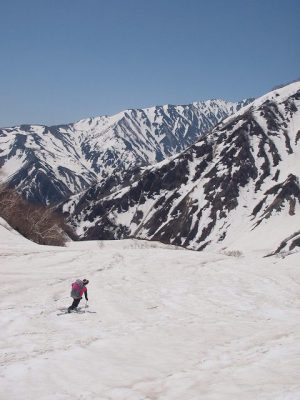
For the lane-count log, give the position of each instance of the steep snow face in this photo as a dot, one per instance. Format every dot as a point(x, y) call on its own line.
point(240, 180)
point(146, 136)
point(162, 323)
point(49, 164)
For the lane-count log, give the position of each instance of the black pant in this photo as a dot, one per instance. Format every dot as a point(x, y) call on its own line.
point(74, 304)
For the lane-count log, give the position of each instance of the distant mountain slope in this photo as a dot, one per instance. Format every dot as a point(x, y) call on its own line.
point(49, 164)
point(237, 186)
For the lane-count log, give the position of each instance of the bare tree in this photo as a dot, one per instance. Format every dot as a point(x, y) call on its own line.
point(38, 223)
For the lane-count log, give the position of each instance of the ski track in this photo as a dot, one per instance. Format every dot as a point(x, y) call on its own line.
point(162, 324)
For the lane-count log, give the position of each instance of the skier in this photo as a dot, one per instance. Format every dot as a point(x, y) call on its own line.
point(78, 288)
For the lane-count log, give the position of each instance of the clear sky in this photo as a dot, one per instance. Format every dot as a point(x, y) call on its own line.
point(63, 60)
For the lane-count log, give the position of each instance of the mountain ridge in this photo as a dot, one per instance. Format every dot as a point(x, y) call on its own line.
point(242, 165)
point(49, 164)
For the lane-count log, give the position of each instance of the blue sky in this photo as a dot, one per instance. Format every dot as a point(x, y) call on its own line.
point(63, 60)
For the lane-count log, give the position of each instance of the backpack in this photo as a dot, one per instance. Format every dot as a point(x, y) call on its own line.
point(76, 289)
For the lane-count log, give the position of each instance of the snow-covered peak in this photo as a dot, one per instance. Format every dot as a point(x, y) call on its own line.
point(48, 164)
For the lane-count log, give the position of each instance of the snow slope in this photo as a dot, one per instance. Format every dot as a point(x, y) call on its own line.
point(11, 241)
point(162, 323)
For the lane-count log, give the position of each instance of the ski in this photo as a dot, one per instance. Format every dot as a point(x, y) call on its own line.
point(79, 311)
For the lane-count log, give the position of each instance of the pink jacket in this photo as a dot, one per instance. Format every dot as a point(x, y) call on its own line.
point(81, 289)
point(77, 287)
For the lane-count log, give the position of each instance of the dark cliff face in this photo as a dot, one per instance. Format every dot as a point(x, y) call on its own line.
point(239, 170)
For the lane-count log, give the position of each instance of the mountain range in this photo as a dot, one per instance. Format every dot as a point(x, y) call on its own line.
point(237, 186)
point(211, 174)
point(49, 164)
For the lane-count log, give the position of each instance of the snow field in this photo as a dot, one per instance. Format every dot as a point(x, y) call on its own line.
point(163, 323)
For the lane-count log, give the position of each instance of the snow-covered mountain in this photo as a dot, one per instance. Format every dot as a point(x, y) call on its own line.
point(49, 164)
point(239, 181)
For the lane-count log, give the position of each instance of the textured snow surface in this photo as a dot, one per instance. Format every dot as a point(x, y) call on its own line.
point(162, 323)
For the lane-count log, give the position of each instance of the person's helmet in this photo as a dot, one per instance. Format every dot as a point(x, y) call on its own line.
point(85, 281)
